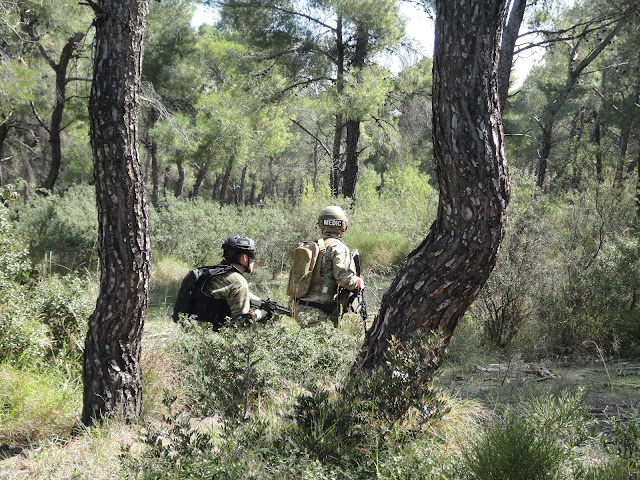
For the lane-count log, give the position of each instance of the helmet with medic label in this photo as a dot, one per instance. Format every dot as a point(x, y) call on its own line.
point(332, 219)
point(237, 244)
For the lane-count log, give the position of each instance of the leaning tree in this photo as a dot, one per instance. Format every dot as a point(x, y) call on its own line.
point(443, 275)
point(112, 374)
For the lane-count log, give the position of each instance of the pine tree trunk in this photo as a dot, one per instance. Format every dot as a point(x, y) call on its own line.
point(334, 176)
point(180, 184)
point(352, 147)
point(4, 132)
point(444, 275)
point(202, 173)
point(225, 184)
point(55, 128)
point(153, 151)
point(352, 150)
point(509, 38)
point(112, 374)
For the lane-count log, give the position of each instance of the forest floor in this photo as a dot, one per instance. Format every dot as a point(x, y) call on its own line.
point(611, 387)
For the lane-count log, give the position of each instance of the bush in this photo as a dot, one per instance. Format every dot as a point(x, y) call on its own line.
point(228, 371)
point(511, 449)
point(34, 406)
point(63, 226)
point(44, 323)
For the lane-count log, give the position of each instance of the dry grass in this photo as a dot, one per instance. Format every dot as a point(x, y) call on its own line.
point(93, 454)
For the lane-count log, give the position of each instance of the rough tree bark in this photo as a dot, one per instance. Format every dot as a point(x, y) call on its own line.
point(112, 374)
point(443, 276)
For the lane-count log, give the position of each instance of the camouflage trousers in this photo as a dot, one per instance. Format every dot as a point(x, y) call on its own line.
point(307, 316)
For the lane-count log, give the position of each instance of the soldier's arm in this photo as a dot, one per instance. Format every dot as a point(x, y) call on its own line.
point(343, 268)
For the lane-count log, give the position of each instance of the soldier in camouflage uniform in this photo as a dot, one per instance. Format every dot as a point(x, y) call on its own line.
point(323, 302)
point(230, 286)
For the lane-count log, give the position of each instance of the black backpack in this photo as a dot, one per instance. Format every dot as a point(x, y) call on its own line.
point(191, 300)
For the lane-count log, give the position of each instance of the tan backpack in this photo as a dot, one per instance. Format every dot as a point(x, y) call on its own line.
point(305, 269)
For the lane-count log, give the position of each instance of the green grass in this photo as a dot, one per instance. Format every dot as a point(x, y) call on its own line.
point(37, 405)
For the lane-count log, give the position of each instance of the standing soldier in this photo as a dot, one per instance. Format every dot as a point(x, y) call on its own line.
point(321, 301)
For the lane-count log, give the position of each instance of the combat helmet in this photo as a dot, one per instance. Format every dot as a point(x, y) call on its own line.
point(237, 244)
point(332, 219)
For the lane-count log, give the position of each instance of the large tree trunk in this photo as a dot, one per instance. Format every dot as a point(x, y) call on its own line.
point(112, 374)
point(443, 276)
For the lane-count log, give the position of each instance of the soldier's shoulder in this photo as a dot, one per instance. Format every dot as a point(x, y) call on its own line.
point(336, 245)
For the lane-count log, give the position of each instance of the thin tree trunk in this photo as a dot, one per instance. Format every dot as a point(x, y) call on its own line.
point(112, 374)
point(55, 128)
point(352, 147)
point(225, 184)
point(444, 275)
point(352, 151)
point(314, 179)
point(336, 160)
point(243, 179)
point(594, 137)
point(4, 132)
point(180, 185)
point(509, 38)
point(153, 153)
point(202, 173)
point(572, 77)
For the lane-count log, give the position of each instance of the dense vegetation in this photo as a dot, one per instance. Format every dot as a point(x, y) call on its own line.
point(236, 142)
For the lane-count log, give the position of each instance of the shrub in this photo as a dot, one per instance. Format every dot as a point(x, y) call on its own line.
point(64, 306)
point(45, 323)
point(228, 371)
point(511, 449)
point(65, 226)
point(14, 258)
point(36, 405)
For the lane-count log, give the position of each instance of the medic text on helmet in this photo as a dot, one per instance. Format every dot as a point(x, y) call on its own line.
point(332, 222)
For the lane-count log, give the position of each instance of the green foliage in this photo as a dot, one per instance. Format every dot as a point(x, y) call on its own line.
point(64, 306)
point(14, 258)
point(34, 406)
point(64, 227)
point(335, 426)
point(625, 441)
point(229, 371)
point(45, 323)
point(511, 449)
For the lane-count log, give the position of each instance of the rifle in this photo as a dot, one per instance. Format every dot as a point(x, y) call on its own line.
point(271, 306)
point(357, 302)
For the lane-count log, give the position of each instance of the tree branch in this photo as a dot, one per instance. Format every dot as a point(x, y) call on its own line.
point(315, 137)
point(40, 121)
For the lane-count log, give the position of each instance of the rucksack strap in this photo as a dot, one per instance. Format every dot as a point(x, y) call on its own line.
point(208, 272)
point(316, 276)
